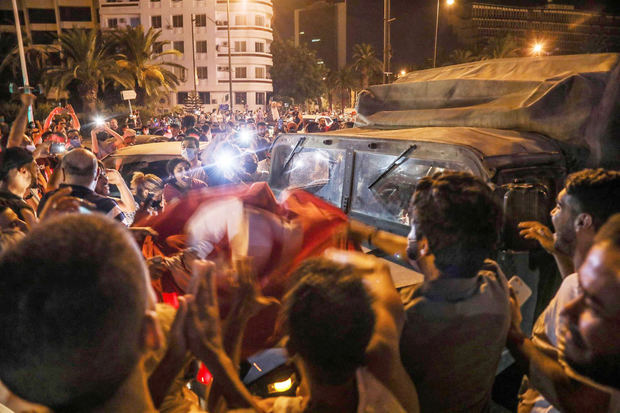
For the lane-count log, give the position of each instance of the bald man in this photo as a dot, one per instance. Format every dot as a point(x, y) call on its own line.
point(79, 171)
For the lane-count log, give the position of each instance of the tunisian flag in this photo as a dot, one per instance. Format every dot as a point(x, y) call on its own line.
point(226, 222)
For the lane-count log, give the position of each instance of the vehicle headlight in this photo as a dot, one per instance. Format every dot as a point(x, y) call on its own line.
point(280, 386)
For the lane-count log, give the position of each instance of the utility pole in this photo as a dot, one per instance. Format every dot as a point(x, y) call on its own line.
point(436, 35)
point(194, 56)
point(229, 57)
point(22, 55)
point(387, 44)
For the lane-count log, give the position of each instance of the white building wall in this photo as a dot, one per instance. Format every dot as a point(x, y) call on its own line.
point(215, 34)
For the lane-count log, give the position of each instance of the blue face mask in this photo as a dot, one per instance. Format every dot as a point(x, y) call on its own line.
point(75, 143)
point(188, 153)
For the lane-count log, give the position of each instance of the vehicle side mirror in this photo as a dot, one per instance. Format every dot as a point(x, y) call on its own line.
point(522, 202)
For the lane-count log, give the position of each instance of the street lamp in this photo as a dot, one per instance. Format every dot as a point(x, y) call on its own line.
point(449, 3)
point(538, 49)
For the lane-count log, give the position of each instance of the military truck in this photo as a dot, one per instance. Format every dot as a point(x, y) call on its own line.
point(520, 124)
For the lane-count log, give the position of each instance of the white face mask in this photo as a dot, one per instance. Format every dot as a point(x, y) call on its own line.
point(31, 148)
point(188, 153)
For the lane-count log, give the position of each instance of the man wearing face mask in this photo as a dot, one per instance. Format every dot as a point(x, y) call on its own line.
point(18, 173)
point(190, 151)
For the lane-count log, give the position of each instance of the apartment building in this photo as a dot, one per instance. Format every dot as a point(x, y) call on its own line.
point(44, 20)
point(251, 35)
point(562, 28)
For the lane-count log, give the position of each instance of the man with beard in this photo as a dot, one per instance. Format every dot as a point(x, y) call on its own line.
point(591, 322)
point(18, 173)
point(589, 198)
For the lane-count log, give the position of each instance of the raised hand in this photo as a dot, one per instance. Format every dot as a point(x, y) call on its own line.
point(203, 321)
point(249, 295)
point(114, 176)
point(539, 232)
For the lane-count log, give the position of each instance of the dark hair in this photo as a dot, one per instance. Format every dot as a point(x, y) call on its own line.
point(329, 318)
point(13, 158)
point(205, 128)
point(261, 123)
point(250, 163)
point(459, 216)
point(597, 192)
point(70, 315)
point(188, 121)
point(172, 163)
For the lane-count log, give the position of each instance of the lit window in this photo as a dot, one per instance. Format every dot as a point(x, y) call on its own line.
point(259, 72)
point(240, 47)
point(316, 40)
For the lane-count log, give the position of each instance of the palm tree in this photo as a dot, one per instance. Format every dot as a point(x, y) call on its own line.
point(500, 47)
point(366, 62)
point(87, 60)
point(36, 57)
point(459, 56)
point(345, 81)
point(141, 54)
point(331, 84)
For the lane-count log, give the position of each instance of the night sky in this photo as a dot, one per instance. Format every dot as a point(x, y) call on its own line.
point(413, 30)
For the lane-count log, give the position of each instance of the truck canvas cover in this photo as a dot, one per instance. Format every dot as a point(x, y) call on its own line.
point(571, 99)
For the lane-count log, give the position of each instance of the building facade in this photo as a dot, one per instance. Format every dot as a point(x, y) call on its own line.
point(562, 29)
point(250, 36)
point(322, 27)
point(44, 20)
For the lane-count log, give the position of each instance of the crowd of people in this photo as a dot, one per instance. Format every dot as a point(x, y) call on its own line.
point(81, 328)
point(217, 148)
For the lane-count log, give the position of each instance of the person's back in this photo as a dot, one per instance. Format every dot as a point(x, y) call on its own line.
point(458, 319)
point(453, 339)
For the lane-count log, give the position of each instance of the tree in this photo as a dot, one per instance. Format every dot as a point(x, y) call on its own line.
point(500, 47)
point(345, 81)
point(192, 102)
point(36, 57)
point(295, 72)
point(366, 62)
point(331, 84)
point(459, 56)
point(87, 60)
point(141, 54)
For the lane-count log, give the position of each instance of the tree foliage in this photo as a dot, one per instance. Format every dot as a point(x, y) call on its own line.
point(366, 62)
point(295, 72)
point(88, 60)
point(141, 54)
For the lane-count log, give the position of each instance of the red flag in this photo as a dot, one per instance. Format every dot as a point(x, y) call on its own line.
point(249, 221)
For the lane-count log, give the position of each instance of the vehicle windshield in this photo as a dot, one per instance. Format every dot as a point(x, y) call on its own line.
point(318, 171)
point(389, 198)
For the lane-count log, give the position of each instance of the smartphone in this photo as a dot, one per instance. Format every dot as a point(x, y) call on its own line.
point(521, 289)
point(56, 148)
point(84, 210)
